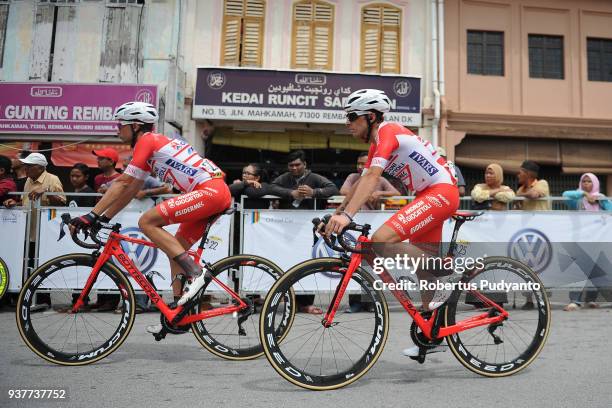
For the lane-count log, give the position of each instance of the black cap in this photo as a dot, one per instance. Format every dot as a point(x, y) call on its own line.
point(531, 166)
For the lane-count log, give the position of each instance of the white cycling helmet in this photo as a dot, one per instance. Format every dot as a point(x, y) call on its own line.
point(366, 100)
point(136, 112)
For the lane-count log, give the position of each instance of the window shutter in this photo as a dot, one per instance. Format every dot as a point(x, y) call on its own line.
point(312, 35)
point(323, 35)
point(242, 40)
point(390, 39)
point(252, 36)
point(41, 42)
point(4, 10)
point(302, 33)
point(370, 38)
point(380, 36)
point(232, 28)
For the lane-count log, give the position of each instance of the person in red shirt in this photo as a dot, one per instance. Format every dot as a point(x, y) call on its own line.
point(204, 193)
point(7, 184)
point(107, 160)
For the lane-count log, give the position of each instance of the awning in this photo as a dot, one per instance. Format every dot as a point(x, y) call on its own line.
point(572, 156)
point(67, 154)
point(10, 149)
point(286, 141)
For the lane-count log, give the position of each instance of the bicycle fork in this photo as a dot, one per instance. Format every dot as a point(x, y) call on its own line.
point(328, 319)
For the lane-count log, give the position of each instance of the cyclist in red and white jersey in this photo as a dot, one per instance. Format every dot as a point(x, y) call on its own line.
point(175, 161)
point(403, 155)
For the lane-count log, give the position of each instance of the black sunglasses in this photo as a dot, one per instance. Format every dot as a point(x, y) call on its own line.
point(352, 116)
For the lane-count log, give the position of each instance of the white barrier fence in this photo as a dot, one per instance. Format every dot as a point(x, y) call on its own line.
point(567, 249)
point(144, 257)
point(12, 244)
point(285, 237)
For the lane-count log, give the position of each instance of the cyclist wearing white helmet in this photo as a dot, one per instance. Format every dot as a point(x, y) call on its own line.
point(171, 160)
point(415, 162)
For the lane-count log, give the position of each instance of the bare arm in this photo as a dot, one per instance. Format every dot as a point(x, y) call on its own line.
point(387, 190)
point(348, 194)
point(363, 190)
point(163, 189)
point(120, 193)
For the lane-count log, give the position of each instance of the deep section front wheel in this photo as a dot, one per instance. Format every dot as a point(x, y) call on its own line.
point(4, 278)
point(236, 336)
point(312, 354)
point(47, 324)
point(507, 347)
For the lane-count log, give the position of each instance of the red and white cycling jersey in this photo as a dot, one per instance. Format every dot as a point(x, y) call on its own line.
point(171, 160)
point(407, 157)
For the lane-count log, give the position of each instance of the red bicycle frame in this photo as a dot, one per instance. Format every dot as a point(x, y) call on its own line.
point(113, 248)
point(426, 325)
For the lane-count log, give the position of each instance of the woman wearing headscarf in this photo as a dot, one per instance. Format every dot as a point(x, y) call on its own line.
point(492, 190)
point(586, 198)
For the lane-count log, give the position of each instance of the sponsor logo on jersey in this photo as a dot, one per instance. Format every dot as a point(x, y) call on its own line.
point(443, 199)
point(424, 163)
point(421, 224)
point(184, 199)
point(189, 209)
point(181, 167)
point(434, 201)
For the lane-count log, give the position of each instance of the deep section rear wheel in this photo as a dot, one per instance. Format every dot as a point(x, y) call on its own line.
point(312, 355)
point(236, 337)
point(507, 347)
point(52, 331)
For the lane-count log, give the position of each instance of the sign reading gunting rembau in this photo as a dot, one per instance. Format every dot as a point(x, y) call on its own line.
point(292, 96)
point(59, 108)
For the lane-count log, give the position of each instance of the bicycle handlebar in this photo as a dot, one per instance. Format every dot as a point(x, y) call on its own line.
point(96, 227)
point(344, 246)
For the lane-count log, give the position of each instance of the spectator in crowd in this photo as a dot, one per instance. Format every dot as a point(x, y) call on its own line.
point(383, 189)
point(251, 184)
point(297, 184)
point(107, 161)
point(492, 194)
point(532, 189)
point(300, 183)
point(39, 182)
point(586, 198)
point(7, 184)
point(19, 170)
point(79, 177)
point(457, 171)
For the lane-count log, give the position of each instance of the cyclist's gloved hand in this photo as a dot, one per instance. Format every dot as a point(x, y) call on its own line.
point(104, 219)
point(84, 222)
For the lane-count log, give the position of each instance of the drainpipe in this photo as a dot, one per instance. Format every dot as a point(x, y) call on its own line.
point(441, 50)
point(441, 46)
point(434, 73)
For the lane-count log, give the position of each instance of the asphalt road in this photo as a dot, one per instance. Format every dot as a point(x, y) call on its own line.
point(572, 371)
